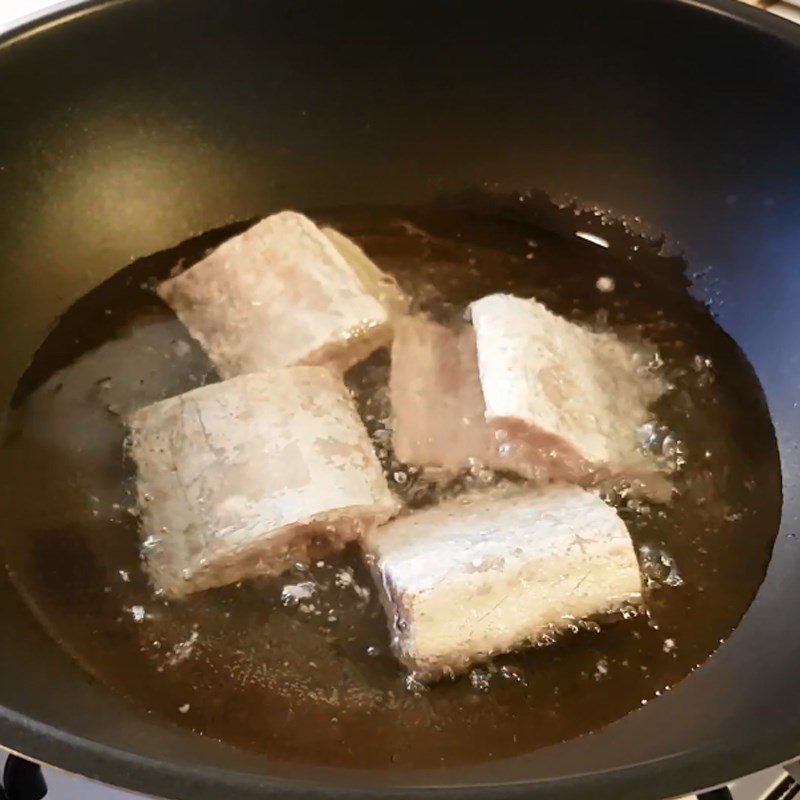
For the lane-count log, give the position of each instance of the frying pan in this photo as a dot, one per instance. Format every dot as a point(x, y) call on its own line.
point(129, 126)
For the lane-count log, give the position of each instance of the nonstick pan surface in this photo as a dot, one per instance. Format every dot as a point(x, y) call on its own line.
point(683, 116)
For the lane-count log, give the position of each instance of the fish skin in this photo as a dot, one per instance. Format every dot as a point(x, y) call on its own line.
point(248, 476)
point(494, 572)
point(280, 294)
point(556, 390)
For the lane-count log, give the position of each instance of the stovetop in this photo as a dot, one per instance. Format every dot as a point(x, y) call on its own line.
point(62, 786)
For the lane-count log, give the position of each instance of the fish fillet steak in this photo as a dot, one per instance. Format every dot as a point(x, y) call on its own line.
point(437, 405)
point(561, 399)
point(483, 575)
point(440, 414)
point(249, 476)
point(284, 293)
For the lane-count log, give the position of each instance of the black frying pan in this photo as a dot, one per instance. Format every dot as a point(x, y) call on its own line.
point(683, 114)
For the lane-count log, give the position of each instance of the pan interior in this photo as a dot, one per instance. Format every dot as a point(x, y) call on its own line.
point(316, 683)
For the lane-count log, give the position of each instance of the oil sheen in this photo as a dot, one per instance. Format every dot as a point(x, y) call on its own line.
point(299, 667)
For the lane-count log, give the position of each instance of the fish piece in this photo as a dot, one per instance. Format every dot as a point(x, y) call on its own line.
point(437, 404)
point(483, 575)
point(249, 476)
point(439, 419)
point(281, 294)
point(564, 401)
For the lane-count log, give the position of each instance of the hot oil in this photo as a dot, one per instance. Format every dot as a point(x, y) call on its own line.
point(299, 667)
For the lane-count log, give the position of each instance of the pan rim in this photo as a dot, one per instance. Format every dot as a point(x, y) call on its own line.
point(674, 774)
